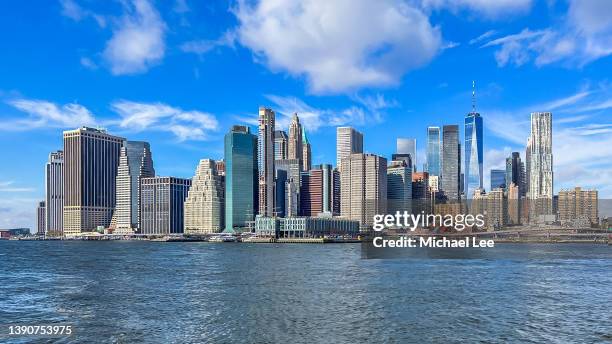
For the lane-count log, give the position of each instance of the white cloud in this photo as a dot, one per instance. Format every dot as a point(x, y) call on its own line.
point(138, 40)
point(584, 35)
point(8, 186)
point(74, 11)
point(46, 114)
point(200, 47)
point(185, 125)
point(484, 36)
point(88, 63)
point(492, 9)
point(328, 43)
point(16, 212)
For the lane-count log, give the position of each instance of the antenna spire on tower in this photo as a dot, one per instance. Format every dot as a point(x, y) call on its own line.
point(473, 96)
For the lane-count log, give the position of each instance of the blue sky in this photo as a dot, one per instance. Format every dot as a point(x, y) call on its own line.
point(179, 73)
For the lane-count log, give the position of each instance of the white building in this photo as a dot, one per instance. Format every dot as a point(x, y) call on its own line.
point(204, 206)
point(540, 165)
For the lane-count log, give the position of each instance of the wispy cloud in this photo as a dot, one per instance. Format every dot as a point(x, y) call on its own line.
point(482, 37)
point(46, 114)
point(185, 125)
point(9, 186)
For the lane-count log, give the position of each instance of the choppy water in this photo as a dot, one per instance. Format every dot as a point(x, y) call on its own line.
point(264, 293)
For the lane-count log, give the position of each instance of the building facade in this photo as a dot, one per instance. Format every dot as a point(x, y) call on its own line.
point(295, 149)
point(41, 218)
point(265, 156)
point(451, 162)
point(316, 195)
point(399, 187)
point(305, 227)
point(363, 179)
point(433, 151)
point(162, 206)
point(54, 194)
point(290, 187)
point(408, 146)
point(348, 141)
point(241, 178)
point(515, 172)
point(473, 171)
point(578, 207)
point(91, 158)
point(135, 163)
point(540, 193)
point(306, 152)
point(280, 145)
point(498, 179)
point(205, 203)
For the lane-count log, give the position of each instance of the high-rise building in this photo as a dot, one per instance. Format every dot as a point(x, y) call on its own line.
point(205, 201)
point(451, 162)
point(348, 141)
point(514, 204)
point(399, 187)
point(433, 151)
point(306, 152)
point(265, 146)
point(420, 193)
point(473, 171)
point(578, 207)
point(290, 186)
point(54, 194)
point(336, 194)
point(241, 188)
point(540, 191)
point(280, 178)
point(135, 163)
point(404, 157)
point(91, 157)
point(41, 218)
point(498, 179)
point(295, 149)
point(408, 146)
point(515, 172)
point(162, 205)
point(364, 187)
point(317, 191)
point(280, 145)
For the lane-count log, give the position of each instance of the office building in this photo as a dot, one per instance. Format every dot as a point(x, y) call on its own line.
point(205, 203)
point(306, 152)
point(54, 194)
point(280, 145)
point(220, 166)
point(407, 146)
point(265, 156)
point(348, 141)
point(135, 163)
point(498, 179)
point(578, 207)
point(336, 194)
point(363, 179)
point(433, 151)
point(91, 158)
point(421, 195)
point(514, 204)
point(295, 148)
point(473, 171)
point(317, 191)
point(540, 164)
point(241, 179)
point(515, 173)
point(41, 218)
point(399, 187)
point(404, 157)
point(305, 227)
point(162, 204)
point(451, 162)
point(291, 186)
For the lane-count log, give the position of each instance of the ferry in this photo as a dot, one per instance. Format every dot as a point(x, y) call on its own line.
point(222, 237)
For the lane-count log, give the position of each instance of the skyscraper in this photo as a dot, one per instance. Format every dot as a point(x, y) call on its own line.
point(399, 187)
point(291, 186)
point(541, 163)
point(241, 188)
point(205, 201)
point(408, 146)
point(54, 194)
point(265, 146)
point(135, 163)
point(515, 173)
point(364, 187)
point(433, 151)
point(91, 157)
point(162, 206)
point(348, 141)
point(306, 152)
point(41, 218)
point(451, 162)
point(295, 149)
point(317, 191)
point(473, 171)
point(280, 145)
point(498, 179)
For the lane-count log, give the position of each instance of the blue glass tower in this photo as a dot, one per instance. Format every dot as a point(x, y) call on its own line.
point(433, 151)
point(241, 178)
point(473, 172)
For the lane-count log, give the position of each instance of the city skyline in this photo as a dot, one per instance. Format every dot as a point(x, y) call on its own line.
point(197, 96)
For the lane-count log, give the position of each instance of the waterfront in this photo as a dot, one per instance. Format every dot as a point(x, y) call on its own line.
point(139, 291)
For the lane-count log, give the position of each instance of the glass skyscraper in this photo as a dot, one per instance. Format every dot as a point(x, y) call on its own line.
point(473, 171)
point(498, 179)
point(433, 151)
point(451, 162)
point(240, 177)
